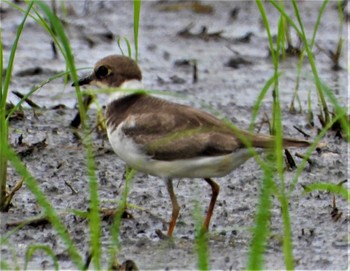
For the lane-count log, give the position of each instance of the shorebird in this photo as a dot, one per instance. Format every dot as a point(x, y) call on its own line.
point(171, 140)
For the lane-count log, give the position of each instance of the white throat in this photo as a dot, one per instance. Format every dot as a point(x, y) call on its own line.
point(127, 85)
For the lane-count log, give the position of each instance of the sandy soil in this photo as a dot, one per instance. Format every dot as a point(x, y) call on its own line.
point(319, 242)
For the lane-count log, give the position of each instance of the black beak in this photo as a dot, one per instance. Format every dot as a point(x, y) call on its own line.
point(83, 81)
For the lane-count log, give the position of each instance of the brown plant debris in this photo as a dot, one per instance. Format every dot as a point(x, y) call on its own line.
point(34, 222)
point(161, 235)
point(289, 160)
point(194, 6)
point(334, 56)
point(108, 213)
point(335, 213)
point(9, 195)
point(35, 147)
point(203, 34)
point(16, 115)
point(30, 72)
point(27, 100)
point(128, 265)
point(70, 187)
point(301, 131)
point(237, 61)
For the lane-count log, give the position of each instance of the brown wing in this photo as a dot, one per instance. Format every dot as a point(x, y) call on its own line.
point(171, 131)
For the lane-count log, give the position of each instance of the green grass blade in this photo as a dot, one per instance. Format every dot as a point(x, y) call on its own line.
point(257, 105)
point(281, 9)
point(302, 35)
point(94, 215)
point(3, 142)
point(62, 40)
point(309, 151)
point(329, 187)
point(63, 8)
point(323, 7)
point(5, 266)
point(115, 227)
point(127, 45)
point(47, 207)
point(287, 233)
point(7, 80)
point(45, 248)
point(137, 11)
point(339, 110)
point(297, 84)
point(278, 151)
point(261, 229)
point(202, 246)
point(3, 122)
point(38, 19)
point(33, 90)
point(267, 27)
point(1, 70)
point(277, 125)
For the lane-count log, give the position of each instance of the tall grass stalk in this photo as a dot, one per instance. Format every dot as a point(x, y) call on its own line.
point(94, 214)
point(3, 137)
point(317, 24)
point(297, 83)
point(261, 230)
point(277, 121)
point(259, 101)
point(282, 193)
point(33, 90)
point(129, 172)
point(49, 210)
point(4, 205)
point(115, 227)
point(58, 34)
point(324, 112)
point(310, 114)
point(60, 38)
point(340, 112)
point(329, 187)
point(119, 42)
point(56, 30)
point(202, 246)
point(48, 250)
point(5, 266)
point(321, 11)
point(137, 12)
point(336, 54)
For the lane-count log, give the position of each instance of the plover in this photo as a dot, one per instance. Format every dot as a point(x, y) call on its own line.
point(171, 140)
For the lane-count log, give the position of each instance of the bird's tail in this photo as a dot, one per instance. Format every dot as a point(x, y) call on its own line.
point(298, 143)
point(266, 141)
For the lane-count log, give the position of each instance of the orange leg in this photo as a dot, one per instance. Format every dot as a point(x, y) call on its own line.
point(176, 207)
point(215, 192)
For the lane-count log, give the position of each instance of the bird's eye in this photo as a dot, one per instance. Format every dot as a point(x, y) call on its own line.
point(102, 72)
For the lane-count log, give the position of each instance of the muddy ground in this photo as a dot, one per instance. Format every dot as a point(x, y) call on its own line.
point(230, 90)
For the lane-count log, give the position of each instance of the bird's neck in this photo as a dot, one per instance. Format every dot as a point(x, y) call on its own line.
point(127, 85)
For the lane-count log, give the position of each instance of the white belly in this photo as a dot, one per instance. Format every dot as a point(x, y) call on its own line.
point(199, 167)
